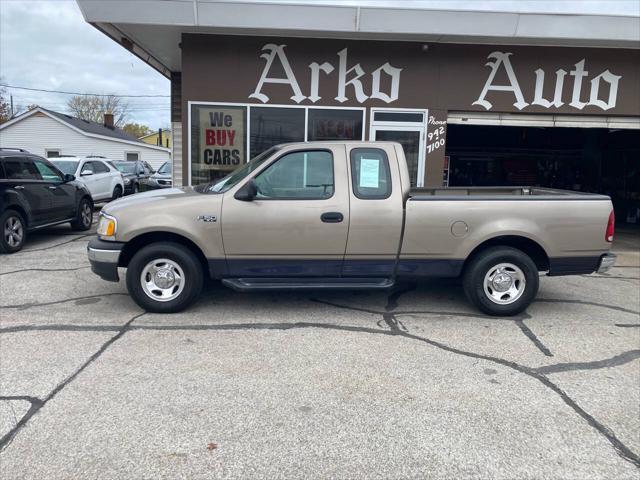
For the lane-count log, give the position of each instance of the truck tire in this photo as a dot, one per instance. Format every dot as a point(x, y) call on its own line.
point(501, 281)
point(14, 231)
point(84, 215)
point(164, 277)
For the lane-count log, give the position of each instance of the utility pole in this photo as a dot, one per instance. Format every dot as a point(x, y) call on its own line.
point(11, 97)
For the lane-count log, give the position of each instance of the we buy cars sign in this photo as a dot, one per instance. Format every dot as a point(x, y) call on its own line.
point(222, 138)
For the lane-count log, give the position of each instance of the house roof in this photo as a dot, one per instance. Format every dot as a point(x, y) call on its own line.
point(92, 127)
point(88, 128)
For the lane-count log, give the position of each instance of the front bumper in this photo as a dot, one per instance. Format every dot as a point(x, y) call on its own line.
point(606, 262)
point(103, 257)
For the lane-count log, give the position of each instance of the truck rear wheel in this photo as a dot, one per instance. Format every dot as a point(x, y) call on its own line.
point(501, 281)
point(164, 277)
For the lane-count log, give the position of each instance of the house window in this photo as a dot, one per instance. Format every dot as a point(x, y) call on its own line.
point(52, 153)
point(271, 126)
point(132, 156)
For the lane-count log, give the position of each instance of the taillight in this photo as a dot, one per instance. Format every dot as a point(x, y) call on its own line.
point(608, 236)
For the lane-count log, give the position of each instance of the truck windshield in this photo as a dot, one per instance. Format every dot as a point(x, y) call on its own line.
point(233, 178)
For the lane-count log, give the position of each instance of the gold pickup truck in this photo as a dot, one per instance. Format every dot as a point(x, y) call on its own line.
point(342, 215)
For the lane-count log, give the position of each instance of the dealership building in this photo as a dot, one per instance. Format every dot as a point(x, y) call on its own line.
point(475, 97)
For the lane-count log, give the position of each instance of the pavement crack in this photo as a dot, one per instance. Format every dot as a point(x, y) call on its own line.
point(24, 306)
point(585, 302)
point(524, 328)
point(44, 270)
point(627, 325)
point(392, 299)
point(56, 245)
point(621, 449)
point(614, 361)
point(37, 404)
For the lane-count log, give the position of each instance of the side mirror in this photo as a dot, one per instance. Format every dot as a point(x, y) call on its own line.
point(247, 192)
point(86, 172)
point(68, 178)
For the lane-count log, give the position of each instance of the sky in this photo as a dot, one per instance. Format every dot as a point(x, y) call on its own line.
point(48, 45)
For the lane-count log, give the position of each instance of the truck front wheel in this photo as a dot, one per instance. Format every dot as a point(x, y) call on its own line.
point(164, 277)
point(501, 281)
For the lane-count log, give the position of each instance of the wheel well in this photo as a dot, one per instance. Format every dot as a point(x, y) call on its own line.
point(526, 245)
point(21, 211)
point(132, 246)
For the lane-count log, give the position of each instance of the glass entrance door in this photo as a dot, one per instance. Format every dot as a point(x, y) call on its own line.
point(412, 140)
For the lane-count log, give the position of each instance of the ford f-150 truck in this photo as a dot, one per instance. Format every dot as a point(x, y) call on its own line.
point(335, 215)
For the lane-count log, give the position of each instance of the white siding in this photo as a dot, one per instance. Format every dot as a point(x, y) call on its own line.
point(39, 132)
point(178, 178)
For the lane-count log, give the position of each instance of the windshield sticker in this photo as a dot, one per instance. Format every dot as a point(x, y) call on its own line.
point(369, 173)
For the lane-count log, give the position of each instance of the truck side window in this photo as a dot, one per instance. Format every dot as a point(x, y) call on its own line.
point(370, 174)
point(306, 175)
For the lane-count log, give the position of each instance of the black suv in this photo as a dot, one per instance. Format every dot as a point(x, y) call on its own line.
point(134, 173)
point(35, 194)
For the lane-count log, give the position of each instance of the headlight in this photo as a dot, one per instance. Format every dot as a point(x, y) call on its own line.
point(107, 227)
point(127, 181)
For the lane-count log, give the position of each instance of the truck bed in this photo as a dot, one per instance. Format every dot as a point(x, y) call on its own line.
point(445, 225)
point(500, 193)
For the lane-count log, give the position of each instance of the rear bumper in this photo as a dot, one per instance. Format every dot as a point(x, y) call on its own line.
point(607, 261)
point(103, 257)
point(580, 265)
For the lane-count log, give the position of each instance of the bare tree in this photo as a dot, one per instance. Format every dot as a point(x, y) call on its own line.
point(5, 107)
point(92, 108)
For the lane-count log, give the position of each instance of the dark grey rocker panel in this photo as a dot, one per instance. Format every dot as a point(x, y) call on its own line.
point(273, 268)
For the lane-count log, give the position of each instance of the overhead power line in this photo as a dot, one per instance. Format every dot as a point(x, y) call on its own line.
point(80, 93)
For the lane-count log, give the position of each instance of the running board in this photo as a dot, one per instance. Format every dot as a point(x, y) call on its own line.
point(253, 284)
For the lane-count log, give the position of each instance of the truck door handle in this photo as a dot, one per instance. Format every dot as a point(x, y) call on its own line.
point(332, 217)
point(52, 187)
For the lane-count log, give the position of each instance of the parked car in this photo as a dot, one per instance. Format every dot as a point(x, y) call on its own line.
point(342, 215)
point(134, 173)
point(162, 177)
point(102, 179)
point(35, 194)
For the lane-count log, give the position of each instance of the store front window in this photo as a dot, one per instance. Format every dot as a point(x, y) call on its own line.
point(334, 124)
point(224, 137)
point(271, 126)
point(218, 141)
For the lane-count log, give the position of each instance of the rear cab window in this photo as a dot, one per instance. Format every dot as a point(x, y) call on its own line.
point(370, 174)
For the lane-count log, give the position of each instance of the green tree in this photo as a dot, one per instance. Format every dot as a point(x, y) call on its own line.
point(136, 129)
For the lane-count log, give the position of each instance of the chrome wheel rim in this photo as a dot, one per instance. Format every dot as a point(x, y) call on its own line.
point(13, 231)
point(86, 214)
point(504, 283)
point(162, 280)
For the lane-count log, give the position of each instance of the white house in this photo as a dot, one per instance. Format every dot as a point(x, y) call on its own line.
point(51, 134)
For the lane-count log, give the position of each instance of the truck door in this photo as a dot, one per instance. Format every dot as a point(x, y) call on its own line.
point(297, 225)
point(376, 200)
